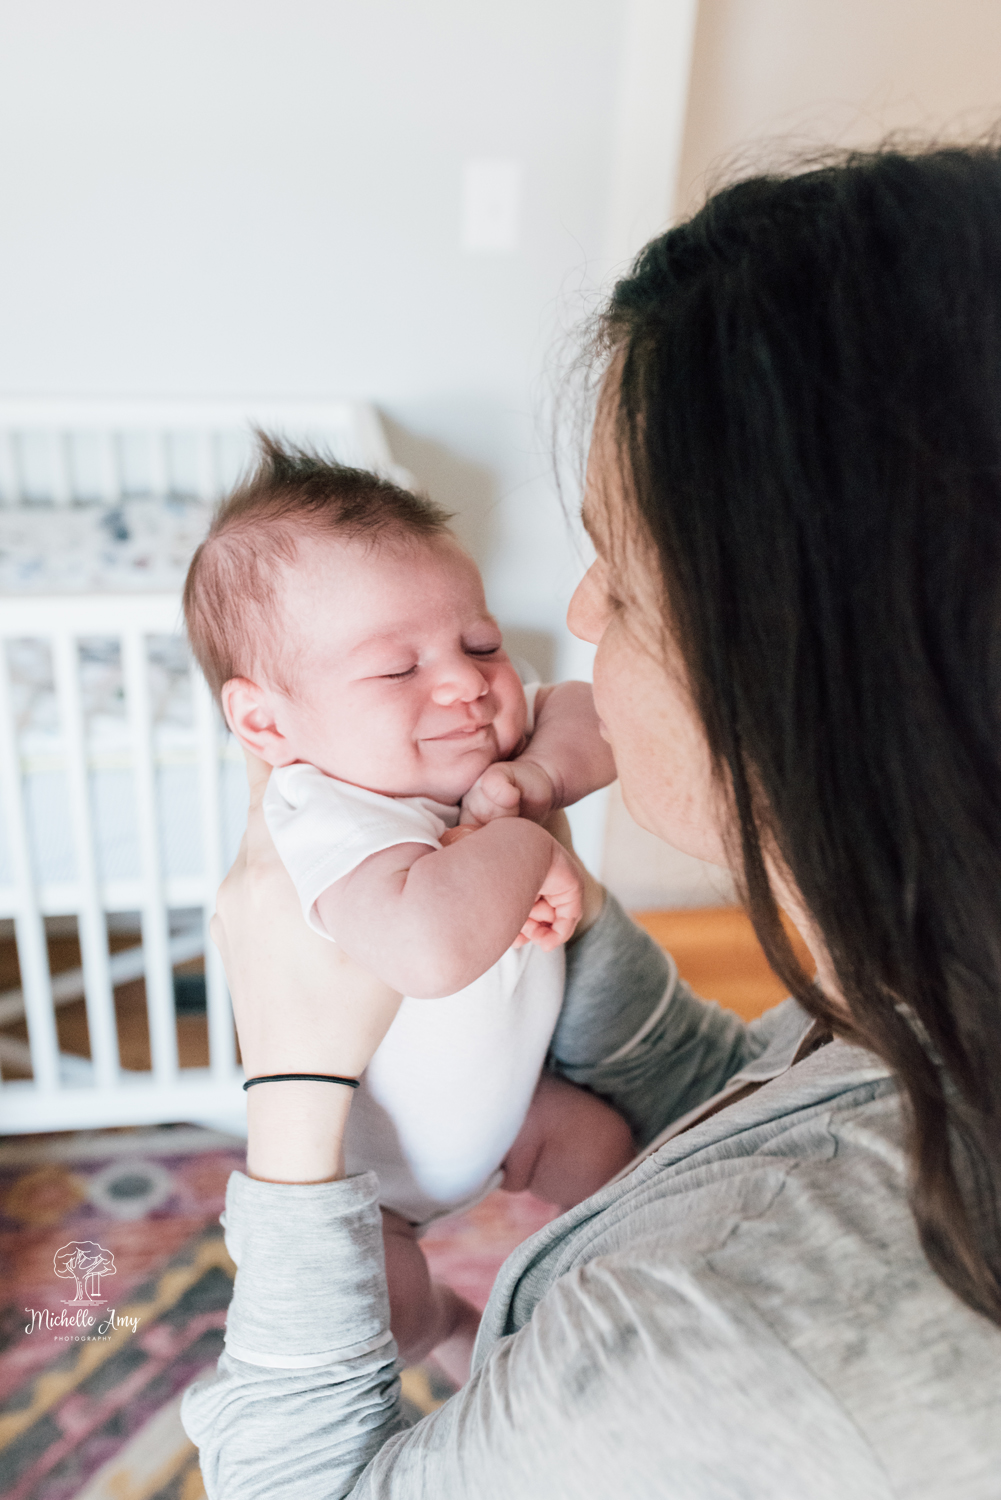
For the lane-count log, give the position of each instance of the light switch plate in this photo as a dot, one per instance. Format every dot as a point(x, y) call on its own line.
point(491, 204)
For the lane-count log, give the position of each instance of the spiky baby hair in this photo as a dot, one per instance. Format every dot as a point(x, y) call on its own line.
point(233, 588)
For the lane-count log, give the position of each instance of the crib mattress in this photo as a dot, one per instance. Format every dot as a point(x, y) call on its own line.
point(138, 545)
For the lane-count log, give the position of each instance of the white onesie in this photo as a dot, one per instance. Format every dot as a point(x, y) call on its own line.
point(446, 1093)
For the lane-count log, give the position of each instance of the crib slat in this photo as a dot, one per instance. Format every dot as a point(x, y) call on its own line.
point(62, 472)
point(159, 464)
point(10, 480)
point(156, 928)
point(222, 1049)
point(32, 951)
point(208, 467)
point(111, 468)
point(93, 931)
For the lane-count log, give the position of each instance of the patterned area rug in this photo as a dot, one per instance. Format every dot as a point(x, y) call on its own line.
point(116, 1283)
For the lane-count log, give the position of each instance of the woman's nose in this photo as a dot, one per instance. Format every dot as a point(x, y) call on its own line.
point(460, 682)
point(586, 614)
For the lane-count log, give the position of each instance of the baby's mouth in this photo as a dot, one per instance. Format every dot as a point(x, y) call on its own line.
point(466, 732)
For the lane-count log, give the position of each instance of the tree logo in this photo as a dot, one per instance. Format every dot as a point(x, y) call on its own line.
point(86, 1263)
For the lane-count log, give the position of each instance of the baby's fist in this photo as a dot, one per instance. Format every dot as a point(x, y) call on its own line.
point(509, 789)
point(558, 907)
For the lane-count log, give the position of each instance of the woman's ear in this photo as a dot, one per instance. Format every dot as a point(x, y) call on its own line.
point(250, 713)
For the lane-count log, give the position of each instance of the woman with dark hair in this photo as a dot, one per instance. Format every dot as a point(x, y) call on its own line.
point(794, 491)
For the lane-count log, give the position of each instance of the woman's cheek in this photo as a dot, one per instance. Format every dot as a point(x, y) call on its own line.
point(607, 685)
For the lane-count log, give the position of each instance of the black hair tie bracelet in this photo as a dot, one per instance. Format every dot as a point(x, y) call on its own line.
point(350, 1083)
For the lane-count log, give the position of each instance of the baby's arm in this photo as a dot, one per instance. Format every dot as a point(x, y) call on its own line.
point(429, 921)
point(565, 759)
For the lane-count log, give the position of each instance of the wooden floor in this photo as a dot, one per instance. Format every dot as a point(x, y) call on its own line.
point(717, 952)
point(130, 1012)
point(715, 949)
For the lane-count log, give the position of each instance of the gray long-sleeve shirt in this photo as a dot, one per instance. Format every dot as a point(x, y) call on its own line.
point(748, 1313)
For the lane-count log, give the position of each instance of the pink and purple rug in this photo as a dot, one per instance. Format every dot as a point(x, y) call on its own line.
point(115, 1288)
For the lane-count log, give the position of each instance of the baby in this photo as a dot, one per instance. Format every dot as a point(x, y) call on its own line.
point(345, 633)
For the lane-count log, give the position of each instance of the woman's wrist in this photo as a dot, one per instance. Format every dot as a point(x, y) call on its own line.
point(295, 1131)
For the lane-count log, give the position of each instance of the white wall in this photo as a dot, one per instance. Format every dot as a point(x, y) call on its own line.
point(263, 196)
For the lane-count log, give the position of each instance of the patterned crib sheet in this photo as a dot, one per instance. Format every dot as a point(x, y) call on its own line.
point(140, 544)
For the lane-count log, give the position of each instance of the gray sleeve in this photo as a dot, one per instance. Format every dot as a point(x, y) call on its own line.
point(633, 1377)
point(633, 1032)
point(306, 1390)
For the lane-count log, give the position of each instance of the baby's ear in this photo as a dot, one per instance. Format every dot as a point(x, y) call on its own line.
point(249, 711)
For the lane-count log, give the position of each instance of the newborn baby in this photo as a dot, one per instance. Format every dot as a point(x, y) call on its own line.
point(345, 633)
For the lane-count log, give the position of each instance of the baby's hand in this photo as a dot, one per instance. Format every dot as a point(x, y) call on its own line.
point(509, 789)
point(560, 902)
point(558, 909)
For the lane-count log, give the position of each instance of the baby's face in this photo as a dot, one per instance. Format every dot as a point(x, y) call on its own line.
point(402, 683)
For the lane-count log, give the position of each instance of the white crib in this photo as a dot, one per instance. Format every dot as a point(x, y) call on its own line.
point(122, 811)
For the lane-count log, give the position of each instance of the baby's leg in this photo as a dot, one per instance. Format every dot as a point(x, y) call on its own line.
point(571, 1143)
point(425, 1315)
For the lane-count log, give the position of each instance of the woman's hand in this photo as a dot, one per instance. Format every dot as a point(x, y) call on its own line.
point(301, 1006)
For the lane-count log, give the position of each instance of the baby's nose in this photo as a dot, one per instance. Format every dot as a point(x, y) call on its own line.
point(460, 682)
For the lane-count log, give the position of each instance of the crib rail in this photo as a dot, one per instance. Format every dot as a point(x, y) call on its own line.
point(66, 1092)
point(71, 452)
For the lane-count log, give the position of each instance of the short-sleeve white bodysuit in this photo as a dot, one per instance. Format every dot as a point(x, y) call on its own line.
point(446, 1093)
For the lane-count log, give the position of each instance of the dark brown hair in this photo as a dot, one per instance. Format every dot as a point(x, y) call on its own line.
point(231, 594)
point(809, 410)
